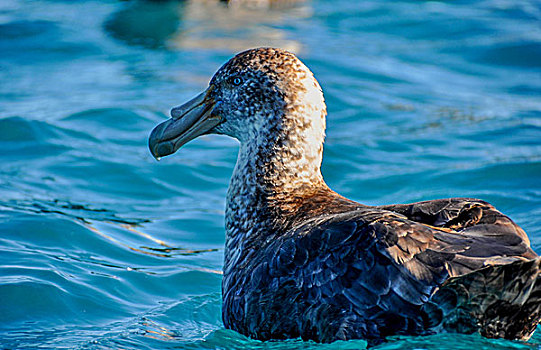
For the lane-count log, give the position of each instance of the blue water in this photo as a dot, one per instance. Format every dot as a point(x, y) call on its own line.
point(103, 247)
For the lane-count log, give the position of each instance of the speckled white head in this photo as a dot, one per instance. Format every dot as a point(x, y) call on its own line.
point(262, 89)
point(268, 100)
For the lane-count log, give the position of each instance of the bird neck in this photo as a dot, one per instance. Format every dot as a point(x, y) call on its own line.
point(274, 172)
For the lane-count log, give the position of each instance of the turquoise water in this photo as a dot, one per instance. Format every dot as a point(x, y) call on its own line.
point(103, 247)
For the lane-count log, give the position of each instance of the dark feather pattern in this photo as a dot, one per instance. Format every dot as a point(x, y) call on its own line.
point(303, 261)
point(345, 277)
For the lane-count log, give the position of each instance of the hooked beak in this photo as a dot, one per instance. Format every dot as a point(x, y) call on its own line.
point(192, 119)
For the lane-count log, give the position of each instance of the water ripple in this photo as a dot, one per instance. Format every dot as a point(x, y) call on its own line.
point(103, 247)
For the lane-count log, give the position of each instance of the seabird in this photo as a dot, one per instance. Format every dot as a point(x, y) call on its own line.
point(303, 261)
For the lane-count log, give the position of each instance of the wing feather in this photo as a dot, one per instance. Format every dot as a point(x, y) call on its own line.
point(374, 270)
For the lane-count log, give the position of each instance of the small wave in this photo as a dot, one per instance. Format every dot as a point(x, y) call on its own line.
point(80, 212)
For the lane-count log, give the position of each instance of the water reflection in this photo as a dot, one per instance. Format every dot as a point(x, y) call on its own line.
point(146, 23)
point(80, 212)
point(206, 24)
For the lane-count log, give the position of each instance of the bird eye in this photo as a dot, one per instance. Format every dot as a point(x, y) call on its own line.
point(235, 81)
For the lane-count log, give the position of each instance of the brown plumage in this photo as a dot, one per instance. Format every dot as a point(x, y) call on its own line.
point(303, 261)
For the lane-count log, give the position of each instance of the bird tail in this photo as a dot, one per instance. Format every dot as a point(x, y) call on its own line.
point(498, 301)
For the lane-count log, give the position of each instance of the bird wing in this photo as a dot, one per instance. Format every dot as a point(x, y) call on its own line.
point(366, 273)
point(493, 237)
point(466, 215)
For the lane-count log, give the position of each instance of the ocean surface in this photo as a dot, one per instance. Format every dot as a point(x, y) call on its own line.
point(103, 247)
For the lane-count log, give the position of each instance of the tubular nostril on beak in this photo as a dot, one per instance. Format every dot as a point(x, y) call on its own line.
point(177, 112)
